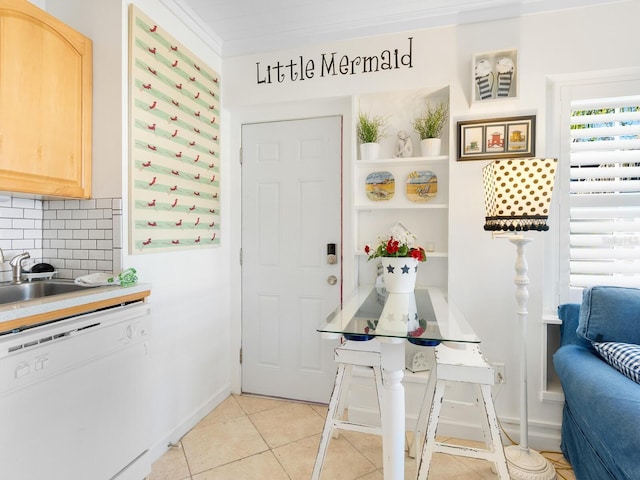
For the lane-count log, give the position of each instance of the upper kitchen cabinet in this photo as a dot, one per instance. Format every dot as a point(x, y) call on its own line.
point(45, 104)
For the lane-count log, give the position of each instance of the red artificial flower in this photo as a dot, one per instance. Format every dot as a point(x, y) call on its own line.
point(367, 249)
point(392, 246)
point(417, 254)
point(417, 332)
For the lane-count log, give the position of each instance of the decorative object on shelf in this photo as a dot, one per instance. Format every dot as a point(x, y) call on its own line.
point(529, 210)
point(494, 75)
point(400, 257)
point(422, 186)
point(429, 125)
point(484, 78)
point(404, 145)
point(380, 186)
point(505, 69)
point(370, 129)
point(400, 274)
point(509, 137)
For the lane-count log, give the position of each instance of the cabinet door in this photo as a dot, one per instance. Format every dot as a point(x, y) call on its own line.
point(45, 104)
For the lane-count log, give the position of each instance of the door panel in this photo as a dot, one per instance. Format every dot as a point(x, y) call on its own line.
point(291, 197)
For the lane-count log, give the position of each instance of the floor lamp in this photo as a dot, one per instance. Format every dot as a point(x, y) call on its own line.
point(517, 194)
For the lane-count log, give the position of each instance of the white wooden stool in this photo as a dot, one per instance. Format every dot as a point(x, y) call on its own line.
point(465, 363)
point(350, 353)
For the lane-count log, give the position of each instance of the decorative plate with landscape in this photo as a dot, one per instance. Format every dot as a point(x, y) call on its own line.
point(422, 186)
point(380, 186)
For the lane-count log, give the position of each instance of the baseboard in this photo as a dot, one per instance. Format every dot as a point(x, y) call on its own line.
point(162, 444)
point(542, 436)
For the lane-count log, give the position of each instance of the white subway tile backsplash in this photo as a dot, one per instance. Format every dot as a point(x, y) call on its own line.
point(35, 234)
point(22, 224)
point(95, 214)
point(73, 244)
point(26, 203)
point(56, 224)
point(88, 245)
point(72, 224)
point(105, 224)
point(97, 234)
point(117, 231)
point(88, 264)
point(33, 213)
point(103, 265)
point(88, 224)
point(73, 263)
point(105, 244)
point(96, 255)
point(104, 203)
point(75, 236)
point(27, 244)
point(8, 212)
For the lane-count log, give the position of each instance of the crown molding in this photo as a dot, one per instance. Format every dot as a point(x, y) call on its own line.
point(195, 23)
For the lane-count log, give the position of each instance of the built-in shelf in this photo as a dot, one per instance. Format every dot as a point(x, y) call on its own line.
point(385, 206)
point(426, 218)
point(429, 254)
point(391, 162)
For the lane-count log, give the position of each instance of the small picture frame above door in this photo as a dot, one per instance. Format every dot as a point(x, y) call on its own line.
point(494, 76)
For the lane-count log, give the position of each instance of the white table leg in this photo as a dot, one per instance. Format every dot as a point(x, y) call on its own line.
point(392, 407)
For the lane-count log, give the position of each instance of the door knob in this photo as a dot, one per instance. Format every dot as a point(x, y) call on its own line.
point(332, 280)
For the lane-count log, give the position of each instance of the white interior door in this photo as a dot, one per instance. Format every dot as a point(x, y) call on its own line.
point(291, 211)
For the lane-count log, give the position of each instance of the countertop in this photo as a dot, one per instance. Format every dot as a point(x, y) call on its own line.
point(18, 315)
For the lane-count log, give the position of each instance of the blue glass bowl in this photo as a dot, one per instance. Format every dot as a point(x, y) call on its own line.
point(357, 337)
point(423, 342)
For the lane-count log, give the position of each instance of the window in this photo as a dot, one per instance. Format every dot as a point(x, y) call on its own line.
point(603, 238)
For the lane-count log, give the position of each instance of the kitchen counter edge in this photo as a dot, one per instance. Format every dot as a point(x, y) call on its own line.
point(32, 312)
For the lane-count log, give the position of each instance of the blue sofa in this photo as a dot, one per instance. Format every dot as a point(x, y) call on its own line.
point(601, 416)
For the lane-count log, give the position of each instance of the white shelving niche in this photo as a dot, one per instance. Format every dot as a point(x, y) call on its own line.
point(429, 220)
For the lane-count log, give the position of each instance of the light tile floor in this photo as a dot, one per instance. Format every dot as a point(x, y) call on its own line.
point(256, 438)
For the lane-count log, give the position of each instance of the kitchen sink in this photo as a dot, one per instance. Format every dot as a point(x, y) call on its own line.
point(21, 292)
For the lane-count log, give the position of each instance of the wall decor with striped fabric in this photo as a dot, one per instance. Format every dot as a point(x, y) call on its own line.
point(174, 153)
point(495, 76)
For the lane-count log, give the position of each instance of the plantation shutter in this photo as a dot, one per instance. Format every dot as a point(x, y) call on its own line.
point(604, 192)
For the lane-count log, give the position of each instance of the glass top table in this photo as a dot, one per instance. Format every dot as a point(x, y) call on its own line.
point(423, 318)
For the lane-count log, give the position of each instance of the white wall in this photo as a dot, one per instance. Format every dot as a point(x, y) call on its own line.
point(481, 269)
point(190, 289)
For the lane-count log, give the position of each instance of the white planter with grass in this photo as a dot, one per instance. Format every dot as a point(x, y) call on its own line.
point(430, 147)
point(369, 151)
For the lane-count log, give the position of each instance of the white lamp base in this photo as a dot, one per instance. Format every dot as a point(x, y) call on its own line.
point(527, 464)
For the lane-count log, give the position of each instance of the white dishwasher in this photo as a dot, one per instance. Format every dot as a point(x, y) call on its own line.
point(74, 398)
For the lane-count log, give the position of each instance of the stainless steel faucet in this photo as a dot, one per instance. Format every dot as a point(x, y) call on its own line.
point(16, 266)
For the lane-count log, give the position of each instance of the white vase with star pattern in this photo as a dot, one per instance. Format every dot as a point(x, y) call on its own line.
point(399, 274)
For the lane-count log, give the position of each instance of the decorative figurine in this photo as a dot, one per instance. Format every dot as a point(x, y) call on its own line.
point(404, 147)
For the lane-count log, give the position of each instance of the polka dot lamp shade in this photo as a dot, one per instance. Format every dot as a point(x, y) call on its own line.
point(517, 193)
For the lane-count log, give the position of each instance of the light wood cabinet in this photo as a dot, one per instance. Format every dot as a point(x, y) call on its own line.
point(45, 104)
